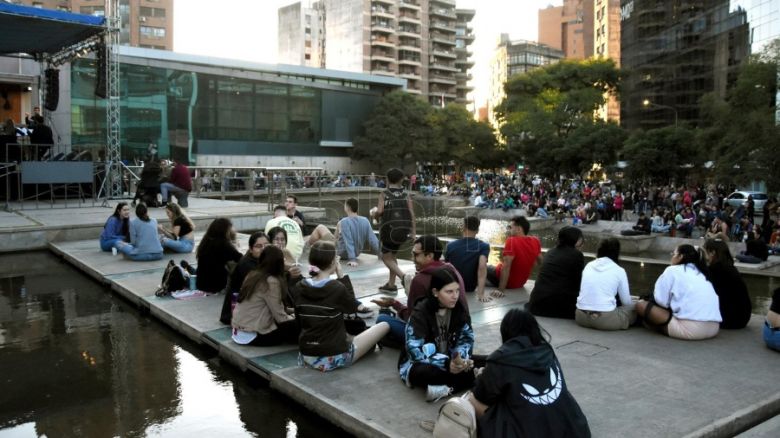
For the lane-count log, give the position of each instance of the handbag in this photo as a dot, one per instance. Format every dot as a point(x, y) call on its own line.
point(174, 278)
point(457, 419)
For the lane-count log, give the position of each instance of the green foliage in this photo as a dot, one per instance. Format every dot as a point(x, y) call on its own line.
point(739, 133)
point(404, 129)
point(549, 119)
point(660, 155)
point(397, 133)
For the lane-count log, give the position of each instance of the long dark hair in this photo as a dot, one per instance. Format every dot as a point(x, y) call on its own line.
point(253, 239)
point(518, 322)
point(142, 212)
point(690, 255)
point(439, 278)
point(125, 220)
point(609, 247)
point(270, 264)
point(218, 235)
point(721, 251)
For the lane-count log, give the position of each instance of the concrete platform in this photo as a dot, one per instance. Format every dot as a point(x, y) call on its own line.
point(34, 228)
point(622, 380)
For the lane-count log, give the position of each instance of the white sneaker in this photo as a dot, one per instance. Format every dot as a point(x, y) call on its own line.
point(437, 392)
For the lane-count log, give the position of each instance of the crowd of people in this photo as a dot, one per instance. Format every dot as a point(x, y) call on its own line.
point(269, 300)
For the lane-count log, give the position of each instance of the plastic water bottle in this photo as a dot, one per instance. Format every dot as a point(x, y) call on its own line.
point(23, 291)
point(113, 251)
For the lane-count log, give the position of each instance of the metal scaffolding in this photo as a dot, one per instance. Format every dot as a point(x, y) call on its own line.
point(113, 152)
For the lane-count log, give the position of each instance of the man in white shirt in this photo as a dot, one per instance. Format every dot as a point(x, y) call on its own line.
point(294, 233)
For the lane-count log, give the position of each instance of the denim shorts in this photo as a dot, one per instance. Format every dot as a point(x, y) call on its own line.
point(772, 336)
point(328, 363)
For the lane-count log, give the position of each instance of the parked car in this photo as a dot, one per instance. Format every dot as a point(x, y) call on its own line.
point(740, 198)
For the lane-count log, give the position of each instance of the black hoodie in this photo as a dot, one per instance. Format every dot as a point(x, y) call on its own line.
point(320, 314)
point(523, 386)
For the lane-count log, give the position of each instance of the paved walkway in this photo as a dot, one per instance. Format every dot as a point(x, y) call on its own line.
point(630, 383)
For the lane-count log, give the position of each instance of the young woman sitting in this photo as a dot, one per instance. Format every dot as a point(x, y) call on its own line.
point(684, 304)
point(558, 283)
point(117, 227)
point(260, 317)
point(437, 354)
point(181, 236)
point(735, 305)
point(521, 391)
point(144, 244)
point(319, 309)
point(602, 280)
point(772, 323)
point(248, 262)
point(216, 249)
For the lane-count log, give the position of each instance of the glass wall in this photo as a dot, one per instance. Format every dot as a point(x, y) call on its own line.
point(185, 113)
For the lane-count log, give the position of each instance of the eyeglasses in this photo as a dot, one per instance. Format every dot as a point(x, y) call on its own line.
point(259, 245)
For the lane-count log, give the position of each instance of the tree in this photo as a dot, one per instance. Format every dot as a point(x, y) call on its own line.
point(740, 132)
point(545, 108)
point(397, 132)
point(660, 155)
point(451, 136)
point(483, 151)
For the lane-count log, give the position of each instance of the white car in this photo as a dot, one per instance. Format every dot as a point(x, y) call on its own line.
point(740, 198)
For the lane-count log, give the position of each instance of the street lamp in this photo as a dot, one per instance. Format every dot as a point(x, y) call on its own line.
point(646, 103)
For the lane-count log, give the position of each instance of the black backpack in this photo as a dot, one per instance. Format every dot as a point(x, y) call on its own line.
point(174, 278)
point(396, 218)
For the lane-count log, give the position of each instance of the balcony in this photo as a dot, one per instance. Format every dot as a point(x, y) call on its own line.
point(443, 53)
point(438, 37)
point(383, 2)
point(443, 2)
point(382, 13)
point(384, 56)
point(464, 62)
point(382, 27)
point(413, 75)
point(442, 26)
point(410, 61)
point(442, 79)
point(409, 4)
point(409, 32)
point(409, 18)
point(442, 66)
point(441, 12)
point(415, 48)
point(382, 71)
point(381, 41)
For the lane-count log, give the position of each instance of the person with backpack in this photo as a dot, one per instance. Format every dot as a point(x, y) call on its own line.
point(521, 391)
point(396, 214)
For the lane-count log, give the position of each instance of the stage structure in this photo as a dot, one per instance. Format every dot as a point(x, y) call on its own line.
point(54, 38)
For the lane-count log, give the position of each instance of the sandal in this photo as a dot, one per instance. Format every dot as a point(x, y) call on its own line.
point(364, 312)
point(387, 288)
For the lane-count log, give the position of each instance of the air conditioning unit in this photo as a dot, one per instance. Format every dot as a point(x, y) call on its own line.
point(142, 19)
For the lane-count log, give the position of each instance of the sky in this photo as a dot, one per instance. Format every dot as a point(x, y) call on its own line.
point(246, 30)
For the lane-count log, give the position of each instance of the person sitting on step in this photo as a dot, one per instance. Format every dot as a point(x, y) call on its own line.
point(438, 348)
point(320, 305)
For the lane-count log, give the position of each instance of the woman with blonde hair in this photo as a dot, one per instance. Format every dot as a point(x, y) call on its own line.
point(181, 236)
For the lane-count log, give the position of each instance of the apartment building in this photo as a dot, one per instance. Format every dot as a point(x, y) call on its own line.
point(423, 41)
point(144, 23)
point(302, 34)
point(606, 43)
point(511, 58)
point(568, 28)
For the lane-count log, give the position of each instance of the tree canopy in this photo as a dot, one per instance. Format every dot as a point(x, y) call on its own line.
point(548, 116)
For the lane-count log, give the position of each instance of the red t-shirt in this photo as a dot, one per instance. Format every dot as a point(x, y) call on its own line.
point(525, 250)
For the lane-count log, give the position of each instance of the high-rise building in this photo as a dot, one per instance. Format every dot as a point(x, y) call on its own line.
point(606, 44)
point(144, 23)
point(417, 40)
point(675, 52)
point(511, 58)
point(301, 34)
point(568, 28)
point(464, 36)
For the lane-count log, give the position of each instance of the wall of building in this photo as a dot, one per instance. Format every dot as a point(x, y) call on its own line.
point(550, 32)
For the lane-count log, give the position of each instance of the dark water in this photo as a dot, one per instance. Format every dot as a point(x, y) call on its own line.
point(431, 215)
point(77, 361)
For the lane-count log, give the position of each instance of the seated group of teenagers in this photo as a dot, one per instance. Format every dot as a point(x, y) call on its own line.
point(518, 389)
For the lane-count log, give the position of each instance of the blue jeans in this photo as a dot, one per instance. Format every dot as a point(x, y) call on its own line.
point(127, 250)
point(771, 336)
point(397, 327)
point(107, 244)
point(181, 245)
point(179, 193)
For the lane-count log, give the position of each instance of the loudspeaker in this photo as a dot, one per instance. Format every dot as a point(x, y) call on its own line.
point(52, 96)
point(101, 68)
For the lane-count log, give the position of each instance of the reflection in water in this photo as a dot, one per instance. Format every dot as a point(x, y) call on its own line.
point(75, 361)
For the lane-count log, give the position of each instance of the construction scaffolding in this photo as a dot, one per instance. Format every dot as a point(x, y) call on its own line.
point(113, 146)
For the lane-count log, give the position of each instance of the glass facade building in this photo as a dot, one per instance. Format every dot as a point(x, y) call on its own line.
point(191, 107)
point(674, 52)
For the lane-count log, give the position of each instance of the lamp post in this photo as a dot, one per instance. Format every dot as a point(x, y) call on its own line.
point(646, 103)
